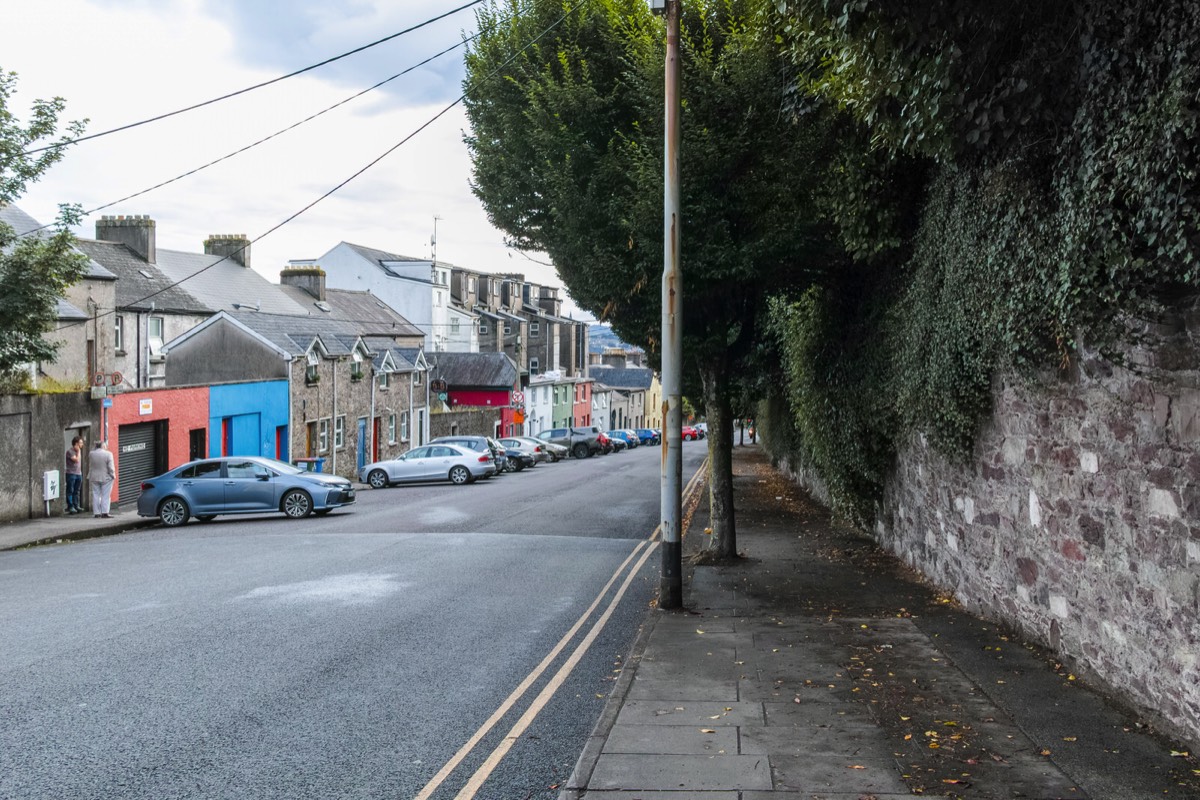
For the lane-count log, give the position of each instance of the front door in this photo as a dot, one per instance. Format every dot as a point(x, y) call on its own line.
point(362, 442)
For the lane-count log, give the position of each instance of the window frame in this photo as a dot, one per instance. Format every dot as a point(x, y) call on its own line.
point(403, 426)
point(151, 339)
point(391, 428)
point(339, 432)
point(535, 328)
point(119, 333)
point(323, 435)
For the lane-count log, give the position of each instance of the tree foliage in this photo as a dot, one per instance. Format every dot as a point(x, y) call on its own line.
point(35, 270)
point(567, 146)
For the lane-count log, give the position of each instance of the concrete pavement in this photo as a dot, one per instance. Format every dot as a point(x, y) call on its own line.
point(819, 667)
point(69, 527)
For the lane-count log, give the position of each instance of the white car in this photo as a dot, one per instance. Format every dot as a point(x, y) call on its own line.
point(432, 462)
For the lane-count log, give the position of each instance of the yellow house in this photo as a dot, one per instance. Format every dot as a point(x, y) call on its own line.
point(654, 398)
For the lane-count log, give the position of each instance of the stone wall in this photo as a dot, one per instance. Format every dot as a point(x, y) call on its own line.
point(464, 421)
point(1077, 517)
point(36, 431)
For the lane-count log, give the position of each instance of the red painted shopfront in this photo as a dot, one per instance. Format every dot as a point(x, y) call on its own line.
point(152, 430)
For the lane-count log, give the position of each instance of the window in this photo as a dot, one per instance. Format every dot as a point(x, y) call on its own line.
point(246, 469)
point(535, 328)
point(205, 469)
point(417, 378)
point(533, 366)
point(508, 329)
point(403, 426)
point(483, 329)
point(471, 284)
point(391, 429)
point(323, 436)
point(421, 426)
point(310, 370)
point(356, 366)
point(339, 432)
point(384, 379)
point(154, 334)
point(454, 326)
point(119, 333)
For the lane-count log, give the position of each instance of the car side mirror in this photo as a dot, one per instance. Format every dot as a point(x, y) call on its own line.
point(263, 476)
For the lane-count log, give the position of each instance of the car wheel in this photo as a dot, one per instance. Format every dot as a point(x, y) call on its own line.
point(206, 517)
point(173, 512)
point(296, 504)
point(460, 475)
point(581, 450)
point(378, 479)
point(519, 465)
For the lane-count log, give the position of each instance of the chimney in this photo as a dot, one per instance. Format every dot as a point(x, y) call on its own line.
point(133, 231)
point(311, 279)
point(235, 246)
point(614, 357)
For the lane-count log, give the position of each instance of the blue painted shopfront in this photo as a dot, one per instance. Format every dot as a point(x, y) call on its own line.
point(248, 419)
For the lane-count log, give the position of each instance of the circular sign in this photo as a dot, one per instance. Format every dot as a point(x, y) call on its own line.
point(116, 378)
point(442, 396)
point(518, 398)
point(98, 379)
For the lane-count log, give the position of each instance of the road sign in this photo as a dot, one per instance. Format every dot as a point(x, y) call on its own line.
point(518, 398)
point(106, 402)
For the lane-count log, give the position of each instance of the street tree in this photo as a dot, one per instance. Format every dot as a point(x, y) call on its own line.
point(35, 269)
point(565, 104)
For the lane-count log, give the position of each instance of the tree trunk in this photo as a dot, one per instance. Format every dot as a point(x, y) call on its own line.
point(719, 415)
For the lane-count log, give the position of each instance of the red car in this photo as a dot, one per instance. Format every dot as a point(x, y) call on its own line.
point(690, 433)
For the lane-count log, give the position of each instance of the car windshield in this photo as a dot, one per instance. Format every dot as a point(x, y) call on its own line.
point(282, 467)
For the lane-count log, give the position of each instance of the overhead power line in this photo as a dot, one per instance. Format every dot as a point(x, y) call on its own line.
point(309, 68)
point(356, 174)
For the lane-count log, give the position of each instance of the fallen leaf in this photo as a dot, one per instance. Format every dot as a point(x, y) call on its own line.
point(1045, 752)
point(699, 631)
point(1179, 753)
point(1070, 738)
point(856, 766)
point(707, 730)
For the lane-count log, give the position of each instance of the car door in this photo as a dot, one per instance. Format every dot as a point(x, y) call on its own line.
point(443, 458)
point(412, 466)
point(249, 486)
point(201, 485)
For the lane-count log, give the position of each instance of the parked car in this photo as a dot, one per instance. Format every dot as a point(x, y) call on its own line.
point(628, 437)
point(520, 454)
point(548, 450)
point(702, 428)
point(580, 442)
point(442, 461)
point(479, 444)
point(690, 433)
point(240, 485)
point(614, 444)
point(648, 436)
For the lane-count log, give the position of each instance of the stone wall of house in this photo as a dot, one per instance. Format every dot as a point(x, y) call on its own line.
point(1077, 517)
point(464, 421)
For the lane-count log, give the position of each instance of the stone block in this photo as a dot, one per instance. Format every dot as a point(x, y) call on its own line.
point(1089, 462)
point(1162, 503)
point(1184, 422)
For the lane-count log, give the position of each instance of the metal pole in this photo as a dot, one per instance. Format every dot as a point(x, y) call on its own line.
point(671, 584)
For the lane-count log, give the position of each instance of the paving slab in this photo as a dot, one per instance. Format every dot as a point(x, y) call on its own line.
point(703, 713)
point(681, 772)
point(842, 773)
point(711, 739)
point(696, 688)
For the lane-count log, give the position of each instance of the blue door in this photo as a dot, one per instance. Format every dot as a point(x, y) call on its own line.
point(362, 442)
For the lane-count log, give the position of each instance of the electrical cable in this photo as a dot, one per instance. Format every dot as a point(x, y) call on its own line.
point(347, 180)
point(265, 139)
point(195, 106)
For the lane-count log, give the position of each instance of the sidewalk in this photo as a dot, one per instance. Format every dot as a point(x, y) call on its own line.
point(69, 527)
point(820, 667)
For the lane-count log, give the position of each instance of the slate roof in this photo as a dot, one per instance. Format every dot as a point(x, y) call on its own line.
point(473, 370)
point(400, 355)
point(220, 284)
point(67, 312)
point(627, 378)
point(22, 223)
point(382, 256)
point(370, 314)
point(295, 334)
point(138, 280)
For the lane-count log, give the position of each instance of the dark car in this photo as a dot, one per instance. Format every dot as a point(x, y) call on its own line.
point(240, 485)
point(580, 442)
point(522, 454)
point(479, 444)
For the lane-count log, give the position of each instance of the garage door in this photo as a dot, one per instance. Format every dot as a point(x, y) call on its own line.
point(137, 458)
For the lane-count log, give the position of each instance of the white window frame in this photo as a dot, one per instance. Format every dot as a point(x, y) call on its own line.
point(155, 343)
point(356, 366)
point(385, 378)
point(417, 378)
point(391, 429)
point(339, 432)
point(323, 435)
point(483, 328)
point(119, 333)
point(454, 326)
point(311, 361)
point(533, 366)
point(403, 426)
point(508, 329)
point(535, 328)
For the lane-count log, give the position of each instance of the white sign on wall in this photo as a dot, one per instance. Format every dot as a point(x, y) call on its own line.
point(145, 407)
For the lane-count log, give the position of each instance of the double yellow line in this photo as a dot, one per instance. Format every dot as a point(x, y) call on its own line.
point(645, 548)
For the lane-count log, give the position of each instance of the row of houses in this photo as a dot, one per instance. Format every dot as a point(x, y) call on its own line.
point(184, 355)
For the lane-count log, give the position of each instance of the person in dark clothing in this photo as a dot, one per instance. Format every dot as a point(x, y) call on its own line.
point(74, 471)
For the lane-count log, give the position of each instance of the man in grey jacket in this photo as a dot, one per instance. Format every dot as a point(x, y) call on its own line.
point(101, 474)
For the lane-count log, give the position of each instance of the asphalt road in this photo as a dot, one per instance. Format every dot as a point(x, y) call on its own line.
point(432, 642)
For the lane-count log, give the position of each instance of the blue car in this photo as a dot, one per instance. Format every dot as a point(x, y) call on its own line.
point(648, 435)
point(628, 437)
point(240, 485)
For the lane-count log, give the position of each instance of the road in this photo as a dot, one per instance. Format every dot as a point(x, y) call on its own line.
point(430, 642)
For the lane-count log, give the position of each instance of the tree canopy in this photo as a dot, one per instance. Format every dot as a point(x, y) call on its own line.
point(35, 270)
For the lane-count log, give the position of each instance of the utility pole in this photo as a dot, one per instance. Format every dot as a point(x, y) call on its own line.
point(671, 499)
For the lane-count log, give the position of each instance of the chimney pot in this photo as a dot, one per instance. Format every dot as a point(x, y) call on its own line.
point(137, 232)
point(234, 247)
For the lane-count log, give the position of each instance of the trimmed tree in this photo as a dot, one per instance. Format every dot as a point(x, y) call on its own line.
point(566, 108)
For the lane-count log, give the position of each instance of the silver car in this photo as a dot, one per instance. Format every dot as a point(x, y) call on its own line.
point(432, 462)
point(543, 450)
point(240, 485)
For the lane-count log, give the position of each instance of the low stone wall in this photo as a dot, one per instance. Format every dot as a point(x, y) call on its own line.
point(1077, 518)
point(472, 421)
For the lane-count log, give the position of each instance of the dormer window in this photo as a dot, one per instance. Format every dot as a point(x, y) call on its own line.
point(154, 336)
point(310, 372)
point(384, 379)
point(535, 328)
point(356, 366)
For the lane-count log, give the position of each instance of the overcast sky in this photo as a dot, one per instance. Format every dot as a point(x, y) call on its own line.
point(120, 61)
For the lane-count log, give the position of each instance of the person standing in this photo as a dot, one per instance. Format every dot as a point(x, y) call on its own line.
point(101, 474)
point(75, 476)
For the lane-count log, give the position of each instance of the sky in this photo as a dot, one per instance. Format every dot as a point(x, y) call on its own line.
point(121, 61)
